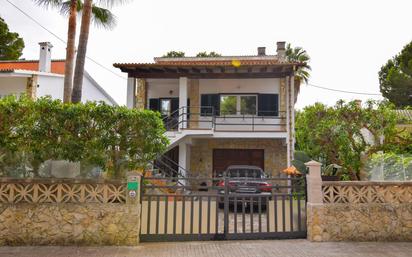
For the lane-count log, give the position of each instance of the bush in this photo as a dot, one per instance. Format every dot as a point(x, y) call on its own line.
point(113, 138)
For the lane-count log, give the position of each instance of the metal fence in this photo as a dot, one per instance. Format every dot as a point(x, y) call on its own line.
point(222, 208)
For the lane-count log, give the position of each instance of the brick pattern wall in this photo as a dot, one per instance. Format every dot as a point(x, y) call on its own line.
point(201, 155)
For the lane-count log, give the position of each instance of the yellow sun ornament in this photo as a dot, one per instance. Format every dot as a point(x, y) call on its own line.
point(291, 171)
point(236, 63)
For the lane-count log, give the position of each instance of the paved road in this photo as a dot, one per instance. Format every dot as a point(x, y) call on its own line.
point(283, 248)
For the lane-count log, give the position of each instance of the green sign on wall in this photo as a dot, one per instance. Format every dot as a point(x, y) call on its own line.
point(133, 185)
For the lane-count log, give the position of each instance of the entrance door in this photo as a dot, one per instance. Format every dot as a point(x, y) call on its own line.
point(223, 158)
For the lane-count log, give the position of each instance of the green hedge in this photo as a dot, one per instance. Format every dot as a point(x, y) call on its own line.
point(116, 139)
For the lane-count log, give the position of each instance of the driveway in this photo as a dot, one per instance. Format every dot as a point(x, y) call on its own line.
point(283, 248)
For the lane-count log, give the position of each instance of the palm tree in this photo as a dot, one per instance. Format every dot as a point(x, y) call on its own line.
point(104, 18)
point(297, 54)
point(101, 16)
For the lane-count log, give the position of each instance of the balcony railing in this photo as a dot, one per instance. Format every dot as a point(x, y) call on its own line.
point(205, 117)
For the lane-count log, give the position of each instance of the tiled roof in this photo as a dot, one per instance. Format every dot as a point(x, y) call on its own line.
point(212, 61)
point(57, 66)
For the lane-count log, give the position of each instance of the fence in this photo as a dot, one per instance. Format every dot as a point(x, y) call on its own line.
point(67, 212)
point(358, 210)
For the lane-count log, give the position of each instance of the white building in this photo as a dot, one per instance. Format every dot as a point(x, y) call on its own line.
point(44, 77)
point(221, 111)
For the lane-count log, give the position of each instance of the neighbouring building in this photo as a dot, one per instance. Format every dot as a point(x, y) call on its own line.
point(221, 111)
point(44, 77)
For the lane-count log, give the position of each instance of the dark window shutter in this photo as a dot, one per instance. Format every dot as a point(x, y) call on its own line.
point(268, 105)
point(207, 100)
point(154, 104)
point(174, 105)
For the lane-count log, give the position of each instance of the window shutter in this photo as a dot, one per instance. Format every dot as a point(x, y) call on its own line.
point(174, 105)
point(207, 100)
point(154, 104)
point(268, 105)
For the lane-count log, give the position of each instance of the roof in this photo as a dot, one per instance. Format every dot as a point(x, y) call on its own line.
point(57, 66)
point(267, 66)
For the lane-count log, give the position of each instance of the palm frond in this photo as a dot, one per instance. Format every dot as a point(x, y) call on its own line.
point(49, 3)
point(111, 3)
point(101, 17)
point(298, 54)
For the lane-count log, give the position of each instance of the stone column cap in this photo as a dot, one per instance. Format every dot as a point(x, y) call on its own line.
point(313, 163)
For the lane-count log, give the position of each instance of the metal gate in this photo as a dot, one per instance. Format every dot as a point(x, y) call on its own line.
point(185, 209)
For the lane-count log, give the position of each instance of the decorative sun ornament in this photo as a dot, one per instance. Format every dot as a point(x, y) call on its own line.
point(292, 171)
point(236, 63)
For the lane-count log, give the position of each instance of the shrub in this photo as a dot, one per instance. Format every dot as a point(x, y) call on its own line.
point(114, 138)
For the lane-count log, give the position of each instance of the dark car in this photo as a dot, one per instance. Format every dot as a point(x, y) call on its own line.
point(244, 181)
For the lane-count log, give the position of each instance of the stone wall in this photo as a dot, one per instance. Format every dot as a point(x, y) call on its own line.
point(69, 224)
point(201, 153)
point(360, 222)
point(357, 210)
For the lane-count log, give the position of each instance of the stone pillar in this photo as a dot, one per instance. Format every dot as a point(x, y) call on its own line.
point(140, 94)
point(31, 87)
point(183, 93)
point(314, 183)
point(133, 203)
point(133, 188)
point(194, 97)
point(131, 93)
point(315, 202)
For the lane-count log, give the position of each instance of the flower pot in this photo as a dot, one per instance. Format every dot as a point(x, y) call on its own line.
point(329, 178)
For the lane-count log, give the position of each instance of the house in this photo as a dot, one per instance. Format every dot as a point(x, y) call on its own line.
point(44, 77)
point(221, 111)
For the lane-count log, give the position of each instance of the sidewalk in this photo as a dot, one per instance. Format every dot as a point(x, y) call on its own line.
point(283, 248)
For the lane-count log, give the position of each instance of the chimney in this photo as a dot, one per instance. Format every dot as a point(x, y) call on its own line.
point(45, 56)
point(261, 51)
point(281, 50)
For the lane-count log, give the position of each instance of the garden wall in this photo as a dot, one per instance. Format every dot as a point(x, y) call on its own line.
point(66, 212)
point(358, 210)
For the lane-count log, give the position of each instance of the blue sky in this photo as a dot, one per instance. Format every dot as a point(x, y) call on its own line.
point(348, 41)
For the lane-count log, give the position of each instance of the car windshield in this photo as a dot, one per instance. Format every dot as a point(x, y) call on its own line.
point(245, 173)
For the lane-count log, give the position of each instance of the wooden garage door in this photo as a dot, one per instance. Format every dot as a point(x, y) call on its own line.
point(222, 158)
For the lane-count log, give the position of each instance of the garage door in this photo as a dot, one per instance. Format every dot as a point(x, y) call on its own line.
point(222, 158)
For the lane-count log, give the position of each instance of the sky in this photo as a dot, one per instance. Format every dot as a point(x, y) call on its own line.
point(348, 40)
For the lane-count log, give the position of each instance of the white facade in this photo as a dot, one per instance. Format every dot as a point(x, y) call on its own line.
point(50, 84)
point(164, 88)
point(12, 85)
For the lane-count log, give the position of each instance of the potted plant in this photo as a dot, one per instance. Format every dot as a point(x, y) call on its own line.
point(330, 172)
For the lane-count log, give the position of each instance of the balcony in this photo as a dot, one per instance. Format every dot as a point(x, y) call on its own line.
point(207, 118)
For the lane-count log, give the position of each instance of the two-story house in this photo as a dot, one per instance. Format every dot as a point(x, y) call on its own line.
point(221, 111)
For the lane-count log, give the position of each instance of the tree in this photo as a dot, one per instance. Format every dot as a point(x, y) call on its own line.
point(172, 54)
point(101, 17)
point(395, 78)
point(206, 54)
point(348, 135)
point(11, 45)
point(297, 54)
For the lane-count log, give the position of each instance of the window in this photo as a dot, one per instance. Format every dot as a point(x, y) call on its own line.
point(165, 106)
point(238, 104)
point(248, 104)
point(228, 105)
